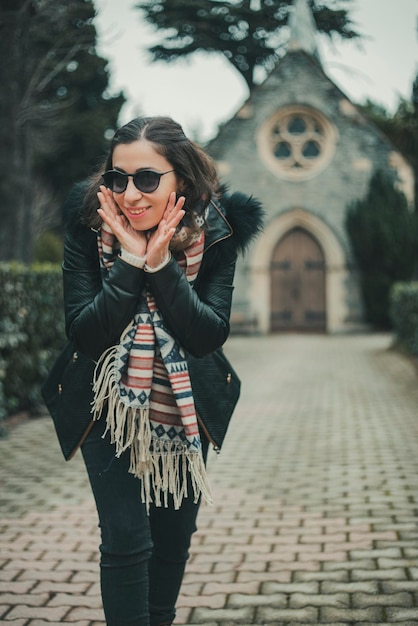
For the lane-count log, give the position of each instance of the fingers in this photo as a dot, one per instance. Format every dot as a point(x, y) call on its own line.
point(110, 214)
point(174, 212)
point(107, 203)
point(174, 205)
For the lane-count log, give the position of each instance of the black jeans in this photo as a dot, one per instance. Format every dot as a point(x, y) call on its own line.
point(142, 557)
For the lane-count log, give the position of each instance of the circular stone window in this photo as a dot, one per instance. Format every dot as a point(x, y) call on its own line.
point(297, 142)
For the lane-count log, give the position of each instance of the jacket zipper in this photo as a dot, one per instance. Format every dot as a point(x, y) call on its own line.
point(205, 430)
point(222, 216)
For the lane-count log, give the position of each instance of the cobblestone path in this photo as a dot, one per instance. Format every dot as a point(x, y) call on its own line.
point(316, 488)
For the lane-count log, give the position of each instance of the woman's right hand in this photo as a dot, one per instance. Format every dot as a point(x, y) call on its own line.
point(131, 240)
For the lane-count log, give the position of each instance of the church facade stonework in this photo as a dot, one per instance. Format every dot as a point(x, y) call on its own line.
point(301, 147)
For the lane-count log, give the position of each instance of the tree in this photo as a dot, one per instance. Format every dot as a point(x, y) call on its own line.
point(401, 128)
point(249, 33)
point(57, 110)
point(382, 231)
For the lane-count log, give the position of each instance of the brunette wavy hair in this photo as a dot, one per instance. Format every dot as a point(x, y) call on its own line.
point(195, 170)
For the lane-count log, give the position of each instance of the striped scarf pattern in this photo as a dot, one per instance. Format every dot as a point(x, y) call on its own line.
point(143, 386)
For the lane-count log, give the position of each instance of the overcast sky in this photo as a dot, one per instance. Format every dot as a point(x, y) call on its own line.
point(207, 91)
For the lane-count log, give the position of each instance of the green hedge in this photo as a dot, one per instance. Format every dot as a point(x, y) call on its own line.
point(404, 314)
point(31, 332)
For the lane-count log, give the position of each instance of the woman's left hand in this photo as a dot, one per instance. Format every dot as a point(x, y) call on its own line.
point(159, 241)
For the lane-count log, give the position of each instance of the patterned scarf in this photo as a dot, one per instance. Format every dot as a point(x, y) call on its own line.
point(143, 385)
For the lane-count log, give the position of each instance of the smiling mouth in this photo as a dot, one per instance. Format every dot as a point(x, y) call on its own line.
point(136, 212)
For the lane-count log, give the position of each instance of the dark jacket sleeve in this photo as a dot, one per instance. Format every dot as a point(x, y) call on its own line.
point(97, 307)
point(198, 317)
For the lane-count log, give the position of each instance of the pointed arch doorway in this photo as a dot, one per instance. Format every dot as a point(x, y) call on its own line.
point(297, 277)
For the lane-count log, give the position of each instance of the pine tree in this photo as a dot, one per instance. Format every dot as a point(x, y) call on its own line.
point(401, 128)
point(57, 111)
point(249, 33)
point(382, 230)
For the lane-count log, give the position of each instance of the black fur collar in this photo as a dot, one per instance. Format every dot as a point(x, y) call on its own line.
point(246, 216)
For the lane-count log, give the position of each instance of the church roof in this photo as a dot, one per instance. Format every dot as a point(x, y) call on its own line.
point(303, 29)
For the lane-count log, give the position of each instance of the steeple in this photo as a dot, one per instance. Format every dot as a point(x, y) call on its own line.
point(302, 29)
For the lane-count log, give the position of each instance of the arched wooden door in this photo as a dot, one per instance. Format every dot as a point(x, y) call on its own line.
point(298, 284)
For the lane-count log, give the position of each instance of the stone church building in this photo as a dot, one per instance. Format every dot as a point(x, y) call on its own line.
point(301, 147)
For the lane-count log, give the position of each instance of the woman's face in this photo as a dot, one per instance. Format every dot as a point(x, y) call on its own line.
point(143, 210)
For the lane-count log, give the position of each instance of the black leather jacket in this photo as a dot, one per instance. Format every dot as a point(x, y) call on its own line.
point(100, 304)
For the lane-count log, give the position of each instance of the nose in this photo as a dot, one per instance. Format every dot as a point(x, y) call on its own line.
point(131, 191)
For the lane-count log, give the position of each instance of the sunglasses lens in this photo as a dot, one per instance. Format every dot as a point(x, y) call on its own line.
point(147, 181)
point(120, 182)
point(116, 181)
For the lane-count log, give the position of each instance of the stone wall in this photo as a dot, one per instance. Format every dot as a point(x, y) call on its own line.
point(359, 149)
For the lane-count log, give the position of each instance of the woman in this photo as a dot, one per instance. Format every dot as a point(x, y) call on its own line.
point(149, 262)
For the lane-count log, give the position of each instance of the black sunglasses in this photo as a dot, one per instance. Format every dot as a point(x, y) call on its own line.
point(146, 181)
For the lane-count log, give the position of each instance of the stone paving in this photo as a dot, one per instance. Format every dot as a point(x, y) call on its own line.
point(316, 514)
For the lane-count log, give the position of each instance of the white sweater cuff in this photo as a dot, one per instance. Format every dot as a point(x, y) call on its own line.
point(132, 259)
point(152, 270)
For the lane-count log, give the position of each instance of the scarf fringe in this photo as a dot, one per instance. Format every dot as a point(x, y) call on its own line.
point(161, 465)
